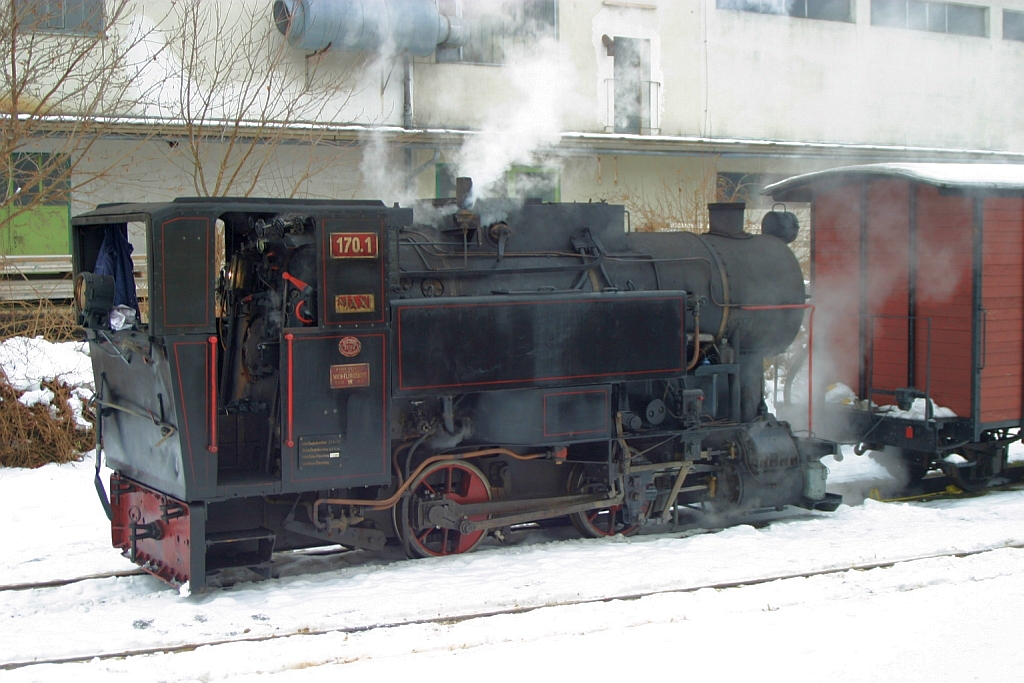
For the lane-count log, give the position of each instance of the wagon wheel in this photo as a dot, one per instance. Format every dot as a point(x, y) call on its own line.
point(602, 521)
point(456, 481)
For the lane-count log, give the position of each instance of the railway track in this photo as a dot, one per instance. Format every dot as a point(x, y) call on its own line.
point(469, 616)
point(57, 583)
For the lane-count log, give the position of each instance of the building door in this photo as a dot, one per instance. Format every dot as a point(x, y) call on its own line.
point(35, 218)
point(632, 75)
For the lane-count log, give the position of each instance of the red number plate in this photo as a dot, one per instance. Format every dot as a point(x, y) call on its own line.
point(353, 245)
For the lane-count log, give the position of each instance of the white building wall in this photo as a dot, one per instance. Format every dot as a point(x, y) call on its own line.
point(734, 74)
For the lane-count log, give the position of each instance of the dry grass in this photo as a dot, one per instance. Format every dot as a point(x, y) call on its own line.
point(35, 436)
point(38, 435)
point(52, 321)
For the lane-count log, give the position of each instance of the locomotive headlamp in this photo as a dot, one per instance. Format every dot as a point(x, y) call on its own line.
point(94, 298)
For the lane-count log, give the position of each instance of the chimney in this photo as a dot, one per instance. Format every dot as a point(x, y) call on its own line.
point(726, 219)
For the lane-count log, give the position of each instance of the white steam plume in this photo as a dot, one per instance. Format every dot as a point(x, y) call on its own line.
point(541, 84)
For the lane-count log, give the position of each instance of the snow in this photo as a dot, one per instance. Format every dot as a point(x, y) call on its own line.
point(1008, 177)
point(943, 618)
point(28, 363)
point(918, 410)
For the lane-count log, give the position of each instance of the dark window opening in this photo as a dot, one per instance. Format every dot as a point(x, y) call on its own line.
point(497, 26)
point(38, 179)
point(937, 17)
point(1013, 25)
point(827, 10)
point(531, 182)
point(444, 181)
point(632, 72)
point(60, 16)
point(523, 182)
point(745, 187)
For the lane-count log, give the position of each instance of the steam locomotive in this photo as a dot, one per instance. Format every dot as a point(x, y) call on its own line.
point(340, 372)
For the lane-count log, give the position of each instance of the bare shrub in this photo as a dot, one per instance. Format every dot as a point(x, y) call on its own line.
point(50, 320)
point(33, 436)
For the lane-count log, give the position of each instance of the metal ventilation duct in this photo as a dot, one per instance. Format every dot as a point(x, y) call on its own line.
point(414, 27)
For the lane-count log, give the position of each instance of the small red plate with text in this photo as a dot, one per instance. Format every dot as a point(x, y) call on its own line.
point(349, 376)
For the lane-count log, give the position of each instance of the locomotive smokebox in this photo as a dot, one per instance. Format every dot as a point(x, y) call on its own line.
point(726, 219)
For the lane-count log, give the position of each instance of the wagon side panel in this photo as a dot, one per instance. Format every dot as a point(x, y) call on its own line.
point(1002, 311)
point(945, 287)
point(888, 284)
point(836, 257)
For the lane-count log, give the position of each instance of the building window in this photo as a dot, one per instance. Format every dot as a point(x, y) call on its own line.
point(829, 10)
point(444, 181)
point(61, 16)
point(496, 27)
point(634, 100)
point(521, 182)
point(1013, 25)
point(746, 188)
point(533, 182)
point(38, 179)
point(37, 211)
point(938, 17)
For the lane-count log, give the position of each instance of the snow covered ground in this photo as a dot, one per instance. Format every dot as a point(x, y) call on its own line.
point(944, 618)
point(940, 619)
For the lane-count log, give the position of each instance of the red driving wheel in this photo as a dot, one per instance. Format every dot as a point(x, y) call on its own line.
point(607, 521)
point(458, 482)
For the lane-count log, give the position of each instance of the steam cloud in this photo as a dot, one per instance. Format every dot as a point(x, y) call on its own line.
point(514, 132)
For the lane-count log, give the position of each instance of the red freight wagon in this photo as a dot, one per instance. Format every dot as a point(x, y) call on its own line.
point(918, 279)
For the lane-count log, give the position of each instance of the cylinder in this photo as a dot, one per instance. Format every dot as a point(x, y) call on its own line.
point(413, 27)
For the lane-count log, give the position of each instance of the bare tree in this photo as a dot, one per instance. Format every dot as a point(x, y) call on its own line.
point(67, 83)
point(680, 202)
point(239, 94)
point(676, 202)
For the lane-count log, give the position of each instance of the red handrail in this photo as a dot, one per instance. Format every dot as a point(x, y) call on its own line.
point(290, 437)
point(211, 398)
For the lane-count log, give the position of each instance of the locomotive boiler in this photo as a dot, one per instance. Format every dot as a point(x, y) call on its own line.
point(340, 372)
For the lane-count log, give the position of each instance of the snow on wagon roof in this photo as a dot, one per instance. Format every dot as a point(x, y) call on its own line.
point(995, 177)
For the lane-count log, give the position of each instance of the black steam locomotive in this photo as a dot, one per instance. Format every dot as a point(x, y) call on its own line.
point(340, 372)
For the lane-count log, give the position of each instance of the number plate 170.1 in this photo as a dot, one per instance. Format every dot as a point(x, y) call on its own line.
point(353, 245)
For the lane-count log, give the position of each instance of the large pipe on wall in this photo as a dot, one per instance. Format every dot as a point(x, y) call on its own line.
point(413, 27)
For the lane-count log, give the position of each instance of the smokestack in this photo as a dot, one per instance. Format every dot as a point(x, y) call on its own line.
point(726, 219)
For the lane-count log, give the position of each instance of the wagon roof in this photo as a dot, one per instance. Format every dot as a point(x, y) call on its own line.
point(1001, 178)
